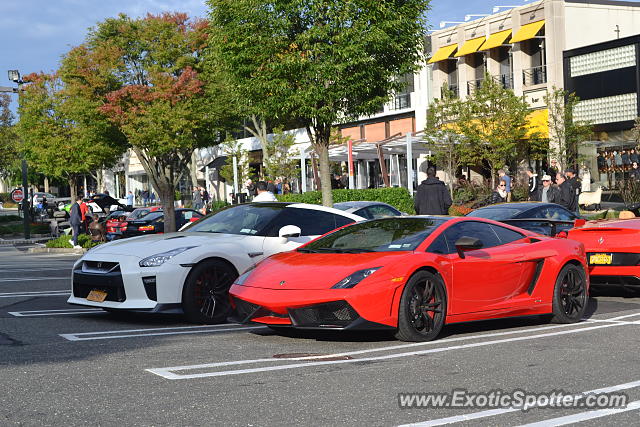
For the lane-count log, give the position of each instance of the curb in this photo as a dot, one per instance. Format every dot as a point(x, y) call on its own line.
point(10, 242)
point(56, 251)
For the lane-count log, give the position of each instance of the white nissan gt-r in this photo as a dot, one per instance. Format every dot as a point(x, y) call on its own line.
point(191, 271)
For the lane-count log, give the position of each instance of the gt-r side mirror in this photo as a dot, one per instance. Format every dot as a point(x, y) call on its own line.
point(289, 231)
point(466, 243)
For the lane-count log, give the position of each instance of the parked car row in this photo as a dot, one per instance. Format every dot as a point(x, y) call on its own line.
point(293, 265)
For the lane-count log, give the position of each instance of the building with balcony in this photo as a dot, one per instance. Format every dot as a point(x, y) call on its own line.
point(522, 47)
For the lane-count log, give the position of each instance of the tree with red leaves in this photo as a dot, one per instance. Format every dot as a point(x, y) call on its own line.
point(146, 74)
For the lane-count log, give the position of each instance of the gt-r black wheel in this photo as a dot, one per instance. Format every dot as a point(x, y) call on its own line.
point(423, 308)
point(205, 296)
point(570, 295)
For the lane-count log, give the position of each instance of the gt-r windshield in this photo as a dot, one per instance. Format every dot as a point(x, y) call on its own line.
point(242, 219)
point(381, 235)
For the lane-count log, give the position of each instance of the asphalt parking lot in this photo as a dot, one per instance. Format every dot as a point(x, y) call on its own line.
point(64, 365)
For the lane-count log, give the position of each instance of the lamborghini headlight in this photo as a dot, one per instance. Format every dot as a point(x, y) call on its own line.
point(355, 278)
point(244, 276)
point(159, 259)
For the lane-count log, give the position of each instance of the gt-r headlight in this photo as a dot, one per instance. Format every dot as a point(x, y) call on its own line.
point(244, 276)
point(355, 278)
point(159, 259)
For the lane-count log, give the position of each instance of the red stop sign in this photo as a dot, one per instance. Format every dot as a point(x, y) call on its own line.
point(17, 195)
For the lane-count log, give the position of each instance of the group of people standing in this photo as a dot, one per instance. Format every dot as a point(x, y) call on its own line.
point(561, 188)
point(200, 198)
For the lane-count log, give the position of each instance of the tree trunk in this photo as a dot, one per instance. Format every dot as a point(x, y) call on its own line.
point(325, 174)
point(46, 184)
point(193, 168)
point(259, 131)
point(167, 195)
point(73, 190)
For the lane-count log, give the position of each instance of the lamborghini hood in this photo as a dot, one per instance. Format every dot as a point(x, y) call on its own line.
point(310, 271)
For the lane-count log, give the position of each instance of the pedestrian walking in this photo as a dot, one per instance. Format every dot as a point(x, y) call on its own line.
point(130, 199)
point(75, 220)
point(205, 200)
point(196, 197)
point(432, 196)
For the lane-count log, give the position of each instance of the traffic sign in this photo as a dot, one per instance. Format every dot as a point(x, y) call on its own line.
point(17, 195)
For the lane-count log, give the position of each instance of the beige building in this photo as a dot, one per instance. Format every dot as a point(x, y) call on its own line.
point(523, 47)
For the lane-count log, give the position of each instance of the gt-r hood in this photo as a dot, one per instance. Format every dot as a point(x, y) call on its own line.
point(145, 246)
point(294, 270)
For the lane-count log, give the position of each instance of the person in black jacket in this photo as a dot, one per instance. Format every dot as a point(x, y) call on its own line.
point(500, 194)
point(432, 197)
point(547, 192)
point(568, 197)
point(75, 220)
point(576, 186)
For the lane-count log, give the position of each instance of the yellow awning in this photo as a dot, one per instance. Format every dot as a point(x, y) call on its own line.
point(495, 40)
point(470, 46)
point(537, 124)
point(443, 53)
point(527, 32)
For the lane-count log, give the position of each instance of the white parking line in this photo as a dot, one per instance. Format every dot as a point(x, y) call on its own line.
point(493, 412)
point(179, 330)
point(584, 416)
point(169, 373)
point(38, 313)
point(29, 279)
point(34, 294)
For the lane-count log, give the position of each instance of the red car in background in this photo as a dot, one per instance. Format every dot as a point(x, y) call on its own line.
point(613, 251)
point(116, 222)
point(413, 275)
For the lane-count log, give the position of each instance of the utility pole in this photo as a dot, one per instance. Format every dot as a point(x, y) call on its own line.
point(14, 76)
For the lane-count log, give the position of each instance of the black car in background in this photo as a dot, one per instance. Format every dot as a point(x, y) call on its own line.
point(368, 210)
point(153, 222)
point(539, 217)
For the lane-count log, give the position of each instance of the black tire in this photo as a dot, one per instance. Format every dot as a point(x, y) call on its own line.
point(205, 296)
point(570, 295)
point(423, 308)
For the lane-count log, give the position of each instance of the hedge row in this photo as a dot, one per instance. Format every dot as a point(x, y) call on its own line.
point(19, 228)
point(63, 242)
point(395, 196)
point(10, 218)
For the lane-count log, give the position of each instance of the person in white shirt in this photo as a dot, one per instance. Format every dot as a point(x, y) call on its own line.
point(264, 195)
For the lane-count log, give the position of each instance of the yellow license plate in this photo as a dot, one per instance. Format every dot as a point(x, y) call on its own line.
point(97, 296)
point(601, 259)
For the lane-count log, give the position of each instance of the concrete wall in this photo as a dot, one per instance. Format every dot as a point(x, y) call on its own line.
point(588, 24)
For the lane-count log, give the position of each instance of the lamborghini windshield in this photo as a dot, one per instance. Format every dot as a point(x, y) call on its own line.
point(381, 235)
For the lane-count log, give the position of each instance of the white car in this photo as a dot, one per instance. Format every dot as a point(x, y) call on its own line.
point(191, 271)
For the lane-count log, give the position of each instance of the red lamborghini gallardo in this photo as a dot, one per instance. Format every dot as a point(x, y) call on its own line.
point(613, 251)
point(414, 275)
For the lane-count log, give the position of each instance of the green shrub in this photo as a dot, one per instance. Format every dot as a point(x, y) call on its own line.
point(5, 197)
point(519, 193)
point(63, 242)
point(19, 228)
point(396, 196)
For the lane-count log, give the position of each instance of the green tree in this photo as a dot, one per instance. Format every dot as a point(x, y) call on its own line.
point(232, 148)
point(565, 132)
point(315, 62)
point(493, 120)
point(281, 152)
point(57, 141)
point(444, 136)
point(146, 73)
point(8, 138)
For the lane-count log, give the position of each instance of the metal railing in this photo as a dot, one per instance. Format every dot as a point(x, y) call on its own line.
point(452, 88)
point(506, 80)
point(534, 76)
point(472, 85)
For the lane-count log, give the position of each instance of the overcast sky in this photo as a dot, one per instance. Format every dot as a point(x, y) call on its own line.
point(34, 34)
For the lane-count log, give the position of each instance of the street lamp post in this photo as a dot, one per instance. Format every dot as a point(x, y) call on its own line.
point(14, 76)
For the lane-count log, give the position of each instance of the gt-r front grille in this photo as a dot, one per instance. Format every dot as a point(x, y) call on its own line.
point(109, 282)
point(100, 266)
point(337, 314)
